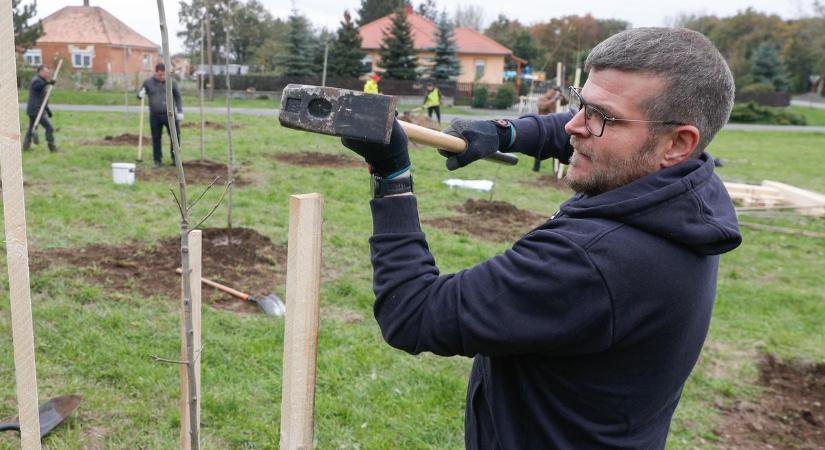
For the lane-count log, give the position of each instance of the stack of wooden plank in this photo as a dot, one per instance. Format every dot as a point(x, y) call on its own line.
point(776, 195)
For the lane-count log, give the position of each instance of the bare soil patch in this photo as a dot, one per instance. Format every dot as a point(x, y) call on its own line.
point(490, 220)
point(196, 171)
point(251, 264)
point(316, 159)
point(121, 139)
point(789, 414)
point(551, 180)
point(421, 120)
point(208, 124)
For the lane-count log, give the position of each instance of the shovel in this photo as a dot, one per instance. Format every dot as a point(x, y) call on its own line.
point(52, 414)
point(269, 303)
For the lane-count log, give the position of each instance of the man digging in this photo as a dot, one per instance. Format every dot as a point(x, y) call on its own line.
point(584, 332)
point(37, 95)
point(155, 88)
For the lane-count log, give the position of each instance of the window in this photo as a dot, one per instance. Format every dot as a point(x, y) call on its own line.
point(33, 56)
point(82, 59)
point(147, 61)
point(479, 69)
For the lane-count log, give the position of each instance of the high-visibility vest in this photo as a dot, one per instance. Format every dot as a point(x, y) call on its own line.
point(433, 98)
point(371, 87)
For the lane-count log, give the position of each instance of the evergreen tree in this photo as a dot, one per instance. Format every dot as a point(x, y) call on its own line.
point(766, 67)
point(445, 64)
point(428, 9)
point(345, 54)
point(299, 47)
point(25, 35)
point(397, 50)
point(375, 9)
point(320, 41)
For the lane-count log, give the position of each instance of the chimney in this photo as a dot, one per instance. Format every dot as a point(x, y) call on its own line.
point(408, 9)
point(85, 2)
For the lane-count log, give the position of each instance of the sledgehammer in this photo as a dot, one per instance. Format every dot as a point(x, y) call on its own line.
point(357, 115)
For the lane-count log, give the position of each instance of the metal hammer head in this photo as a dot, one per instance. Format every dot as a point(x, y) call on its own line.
point(338, 112)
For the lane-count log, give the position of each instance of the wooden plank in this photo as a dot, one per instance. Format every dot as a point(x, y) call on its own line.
point(195, 250)
point(303, 283)
point(809, 203)
point(17, 249)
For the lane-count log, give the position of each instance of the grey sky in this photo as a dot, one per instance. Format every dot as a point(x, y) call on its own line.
point(143, 17)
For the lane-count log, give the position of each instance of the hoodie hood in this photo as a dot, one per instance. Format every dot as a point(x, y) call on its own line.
point(687, 204)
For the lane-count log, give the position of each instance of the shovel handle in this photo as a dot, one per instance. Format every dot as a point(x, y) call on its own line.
point(444, 141)
point(220, 287)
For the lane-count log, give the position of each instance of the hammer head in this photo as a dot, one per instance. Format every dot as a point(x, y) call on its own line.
point(338, 112)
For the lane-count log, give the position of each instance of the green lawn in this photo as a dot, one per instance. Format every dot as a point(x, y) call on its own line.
point(70, 97)
point(96, 342)
point(814, 116)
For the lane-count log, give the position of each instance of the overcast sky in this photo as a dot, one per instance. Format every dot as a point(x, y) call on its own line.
point(142, 15)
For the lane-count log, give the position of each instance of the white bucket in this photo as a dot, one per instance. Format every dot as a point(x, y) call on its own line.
point(123, 173)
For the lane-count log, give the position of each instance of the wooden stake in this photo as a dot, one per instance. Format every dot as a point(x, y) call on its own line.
point(230, 154)
point(46, 98)
point(200, 91)
point(140, 132)
point(303, 283)
point(17, 251)
point(195, 239)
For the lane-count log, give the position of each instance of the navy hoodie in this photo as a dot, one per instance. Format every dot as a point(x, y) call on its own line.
point(584, 332)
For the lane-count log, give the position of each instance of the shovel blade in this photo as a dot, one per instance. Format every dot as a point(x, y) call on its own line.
point(270, 304)
point(55, 411)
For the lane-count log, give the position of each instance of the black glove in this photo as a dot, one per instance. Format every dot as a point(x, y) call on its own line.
point(483, 137)
point(51, 82)
point(384, 160)
point(48, 112)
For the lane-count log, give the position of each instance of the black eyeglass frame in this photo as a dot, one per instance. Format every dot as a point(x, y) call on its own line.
point(575, 96)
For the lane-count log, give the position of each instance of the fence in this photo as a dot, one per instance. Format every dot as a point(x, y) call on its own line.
point(275, 83)
point(766, 98)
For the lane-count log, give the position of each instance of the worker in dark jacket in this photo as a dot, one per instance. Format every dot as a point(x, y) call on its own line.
point(37, 95)
point(584, 332)
point(155, 88)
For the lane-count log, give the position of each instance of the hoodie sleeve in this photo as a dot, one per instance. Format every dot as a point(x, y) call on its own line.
point(543, 136)
point(541, 296)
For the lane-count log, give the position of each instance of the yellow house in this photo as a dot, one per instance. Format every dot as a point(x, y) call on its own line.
point(481, 58)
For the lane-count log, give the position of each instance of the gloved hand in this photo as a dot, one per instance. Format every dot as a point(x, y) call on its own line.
point(48, 112)
point(142, 93)
point(386, 161)
point(179, 116)
point(483, 137)
point(52, 82)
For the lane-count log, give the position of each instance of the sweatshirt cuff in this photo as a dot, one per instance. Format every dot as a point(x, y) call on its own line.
point(395, 215)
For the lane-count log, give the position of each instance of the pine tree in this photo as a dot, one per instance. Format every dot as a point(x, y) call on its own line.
point(298, 60)
point(345, 54)
point(375, 9)
point(25, 34)
point(397, 50)
point(445, 63)
point(766, 67)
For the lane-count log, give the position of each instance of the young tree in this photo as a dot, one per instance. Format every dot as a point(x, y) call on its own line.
point(445, 64)
point(254, 26)
point(375, 9)
point(299, 47)
point(320, 41)
point(470, 16)
point(428, 9)
point(397, 50)
point(766, 67)
point(25, 34)
point(346, 54)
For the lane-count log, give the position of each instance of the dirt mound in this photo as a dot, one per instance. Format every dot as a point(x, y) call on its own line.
point(252, 264)
point(208, 124)
point(196, 171)
point(490, 220)
point(790, 413)
point(420, 120)
point(551, 180)
point(121, 139)
point(315, 159)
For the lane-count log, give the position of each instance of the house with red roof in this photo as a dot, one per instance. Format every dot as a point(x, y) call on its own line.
point(481, 58)
point(90, 38)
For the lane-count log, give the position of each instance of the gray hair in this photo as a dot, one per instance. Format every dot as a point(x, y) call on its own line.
point(699, 87)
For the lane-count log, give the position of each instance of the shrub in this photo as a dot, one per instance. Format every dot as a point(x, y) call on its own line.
point(505, 96)
point(99, 80)
point(752, 112)
point(757, 88)
point(479, 97)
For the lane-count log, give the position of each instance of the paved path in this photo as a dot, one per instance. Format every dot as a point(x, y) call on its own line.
point(445, 118)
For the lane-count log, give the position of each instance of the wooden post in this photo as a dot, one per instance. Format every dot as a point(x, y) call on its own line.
point(230, 154)
point(303, 282)
point(46, 98)
point(140, 131)
point(195, 239)
point(200, 89)
point(17, 251)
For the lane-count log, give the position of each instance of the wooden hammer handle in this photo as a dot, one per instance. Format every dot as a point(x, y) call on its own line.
point(444, 141)
point(220, 287)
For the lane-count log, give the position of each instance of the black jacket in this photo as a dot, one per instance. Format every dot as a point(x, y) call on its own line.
point(156, 91)
point(37, 93)
point(584, 332)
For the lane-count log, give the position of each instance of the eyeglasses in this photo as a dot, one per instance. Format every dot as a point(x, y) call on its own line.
point(595, 119)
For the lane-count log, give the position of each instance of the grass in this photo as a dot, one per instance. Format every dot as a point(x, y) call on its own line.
point(113, 98)
point(96, 342)
point(813, 116)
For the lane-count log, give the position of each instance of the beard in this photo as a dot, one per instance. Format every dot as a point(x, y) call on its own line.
point(608, 172)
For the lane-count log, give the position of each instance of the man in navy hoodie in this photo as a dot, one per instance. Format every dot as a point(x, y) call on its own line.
point(584, 332)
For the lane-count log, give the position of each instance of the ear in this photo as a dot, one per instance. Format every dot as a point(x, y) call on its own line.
point(679, 145)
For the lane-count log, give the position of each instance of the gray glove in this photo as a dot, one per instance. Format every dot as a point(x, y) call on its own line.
point(141, 93)
point(483, 137)
point(179, 116)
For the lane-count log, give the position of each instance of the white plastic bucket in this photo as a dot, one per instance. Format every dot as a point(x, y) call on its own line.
point(123, 173)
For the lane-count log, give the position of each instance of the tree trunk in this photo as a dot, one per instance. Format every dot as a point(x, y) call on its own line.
point(230, 155)
point(209, 54)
